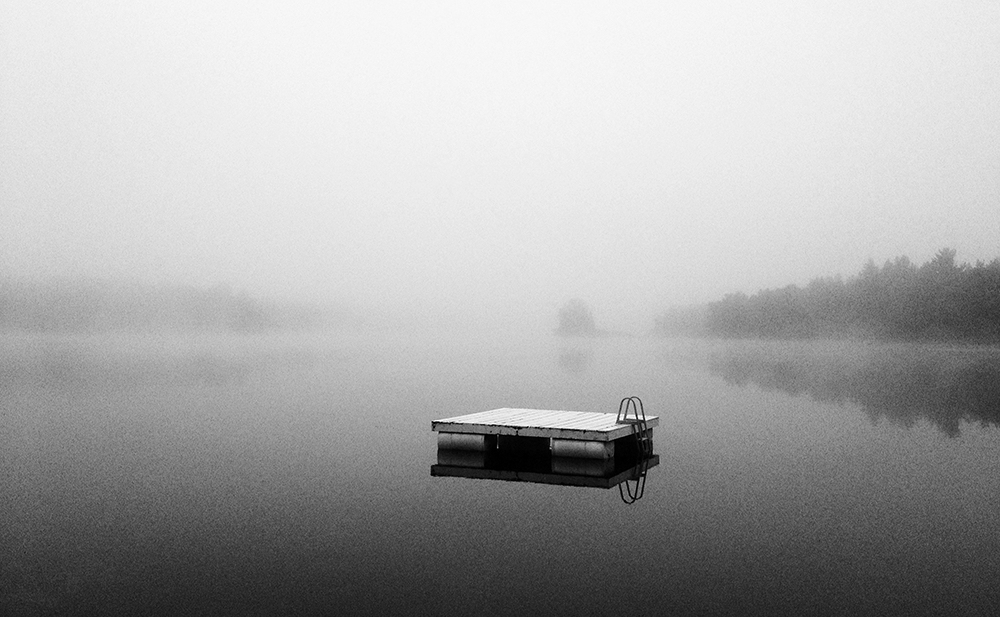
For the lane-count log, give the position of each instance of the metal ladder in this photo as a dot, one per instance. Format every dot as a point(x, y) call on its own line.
point(643, 434)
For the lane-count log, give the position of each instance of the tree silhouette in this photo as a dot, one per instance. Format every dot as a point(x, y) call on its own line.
point(939, 300)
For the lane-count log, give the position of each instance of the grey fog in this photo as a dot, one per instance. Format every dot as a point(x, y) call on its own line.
point(489, 161)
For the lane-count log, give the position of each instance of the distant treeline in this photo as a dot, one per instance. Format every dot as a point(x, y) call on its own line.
point(90, 305)
point(938, 300)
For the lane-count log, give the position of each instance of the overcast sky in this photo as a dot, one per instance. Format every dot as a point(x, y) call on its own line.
point(471, 156)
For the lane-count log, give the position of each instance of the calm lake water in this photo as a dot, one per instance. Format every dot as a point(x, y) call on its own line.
point(286, 475)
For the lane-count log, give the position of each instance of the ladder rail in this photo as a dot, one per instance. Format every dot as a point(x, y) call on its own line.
point(640, 427)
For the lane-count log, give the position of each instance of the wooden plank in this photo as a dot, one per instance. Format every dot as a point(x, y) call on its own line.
point(535, 418)
point(583, 425)
point(584, 418)
point(588, 422)
point(517, 428)
point(542, 418)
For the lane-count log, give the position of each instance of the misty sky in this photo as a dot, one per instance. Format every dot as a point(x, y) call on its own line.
point(480, 156)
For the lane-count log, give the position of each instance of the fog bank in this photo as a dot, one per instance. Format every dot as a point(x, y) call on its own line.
point(491, 161)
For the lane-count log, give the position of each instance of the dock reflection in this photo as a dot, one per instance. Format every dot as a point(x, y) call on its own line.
point(628, 473)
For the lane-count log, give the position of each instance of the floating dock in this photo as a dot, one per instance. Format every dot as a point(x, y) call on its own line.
point(578, 434)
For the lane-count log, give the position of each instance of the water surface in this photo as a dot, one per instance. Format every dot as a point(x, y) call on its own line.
point(234, 475)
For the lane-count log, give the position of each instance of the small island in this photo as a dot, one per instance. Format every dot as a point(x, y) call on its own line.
point(576, 319)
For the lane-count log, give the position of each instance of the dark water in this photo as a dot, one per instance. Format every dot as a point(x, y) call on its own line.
point(292, 475)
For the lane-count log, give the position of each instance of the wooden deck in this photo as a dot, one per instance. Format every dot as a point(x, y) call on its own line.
point(553, 424)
